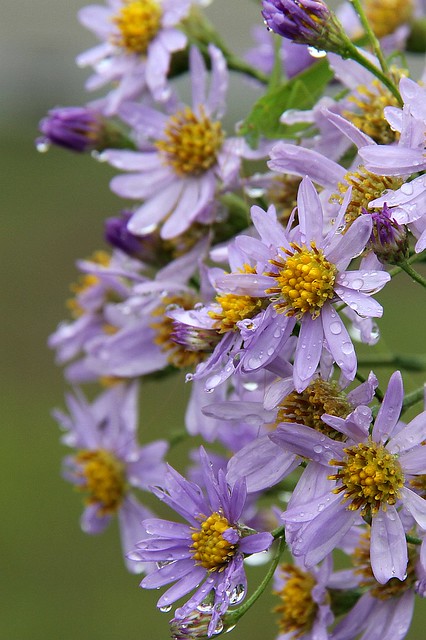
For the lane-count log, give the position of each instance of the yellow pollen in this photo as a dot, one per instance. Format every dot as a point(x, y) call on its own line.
point(138, 22)
point(385, 16)
point(394, 587)
point(191, 142)
point(366, 186)
point(319, 397)
point(297, 610)
point(233, 309)
point(85, 282)
point(104, 479)
point(371, 101)
point(177, 355)
point(209, 548)
point(305, 281)
point(370, 476)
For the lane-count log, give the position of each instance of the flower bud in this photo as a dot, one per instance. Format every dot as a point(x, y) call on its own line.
point(308, 22)
point(81, 129)
point(388, 240)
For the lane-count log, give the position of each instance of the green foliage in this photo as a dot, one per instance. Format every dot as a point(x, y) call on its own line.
point(301, 92)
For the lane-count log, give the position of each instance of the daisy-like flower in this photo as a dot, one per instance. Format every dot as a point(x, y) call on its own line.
point(137, 40)
point(384, 610)
point(302, 274)
point(304, 612)
point(186, 158)
point(109, 463)
point(371, 479)
point(205, 555)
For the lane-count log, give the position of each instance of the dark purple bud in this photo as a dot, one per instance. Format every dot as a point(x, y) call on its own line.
point(308, 22)
point(75, 128)
point(388, 240)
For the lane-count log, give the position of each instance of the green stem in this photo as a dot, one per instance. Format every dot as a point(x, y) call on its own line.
point(412, 539)
point(354, 54)
point(278, 532)
point(413, 398)
point(231, 618)
point(371, 35)
point(409, 362)
point(416, 257)
point(415, 275)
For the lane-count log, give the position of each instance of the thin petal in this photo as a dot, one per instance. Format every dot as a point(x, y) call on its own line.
point(388, 550)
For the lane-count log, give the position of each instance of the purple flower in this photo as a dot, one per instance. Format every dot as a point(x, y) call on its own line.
point(408, 202)
point(262, 462)
point(389, 240)
point(302, 274)
point(137, 40)
point(186, 158)
point(109, 462)
point(372, 478)
point(207, 553)
point(383, 610)
point(75, 128)
point(305, 611)
point(305, 21)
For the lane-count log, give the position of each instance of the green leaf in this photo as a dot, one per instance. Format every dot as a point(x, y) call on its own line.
point(301, 92)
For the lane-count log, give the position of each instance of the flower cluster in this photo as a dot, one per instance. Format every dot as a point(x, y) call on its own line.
point(249, 263)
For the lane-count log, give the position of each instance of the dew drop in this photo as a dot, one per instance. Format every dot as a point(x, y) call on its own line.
point(407, 188)
point(255, 192)
point(237, 594)
point(166, 608)
point(335, 328)
point(316, 53)
point(347, 348)
point(357, 283)
point(42, 146)
point(318, 448)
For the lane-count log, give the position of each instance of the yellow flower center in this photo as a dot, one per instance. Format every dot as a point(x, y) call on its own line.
point(371, 477)
point(85, 282)
point(307, 407)
point(209, 548)
point(138, 22)
point(394, 588)
point(305, 281)
point(385, 16)
point(297, 610)
point(370, 102)
point(366, 186)
point(177, 355)
point(191, 142)
point(233, 309)
point(104, 479)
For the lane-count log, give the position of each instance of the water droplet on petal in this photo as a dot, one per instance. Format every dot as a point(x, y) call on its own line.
point(335, 328)
point(166, 608)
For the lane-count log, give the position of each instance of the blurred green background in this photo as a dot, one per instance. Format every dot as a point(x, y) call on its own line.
point(56, 582)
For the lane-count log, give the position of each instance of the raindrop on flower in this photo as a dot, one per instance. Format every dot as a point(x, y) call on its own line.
point(42, 147)
point(237, 594)
point(317, 53)
point(166, 608)
point(335, 328)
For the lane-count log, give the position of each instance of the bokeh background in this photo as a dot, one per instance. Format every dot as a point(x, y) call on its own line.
point(56, 583)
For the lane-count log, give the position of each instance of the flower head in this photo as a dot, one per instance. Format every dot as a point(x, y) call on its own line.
point(207, 553)
point(301, 274)
point(186, 159)
point(109, 463)
point(372, 479)
point(138, 38)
